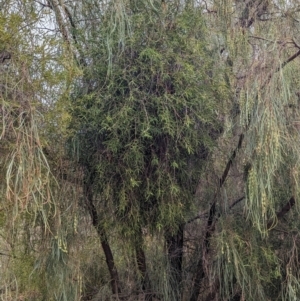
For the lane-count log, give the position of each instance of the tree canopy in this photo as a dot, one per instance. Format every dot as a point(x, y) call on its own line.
point(149, 150)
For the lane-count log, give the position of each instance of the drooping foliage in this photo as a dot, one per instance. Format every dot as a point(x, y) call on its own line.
point(166, 130)
point(264, 68)
point(31, 75)
point(145, 123)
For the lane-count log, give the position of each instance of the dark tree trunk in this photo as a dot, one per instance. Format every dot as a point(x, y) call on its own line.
point(175, 256)
point(200, 274)
point(141, 263)
point(210, 227)
point(114, 277)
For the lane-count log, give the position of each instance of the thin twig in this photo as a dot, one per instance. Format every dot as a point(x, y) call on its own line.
point(205, 213)
point(236, 202)
point(43, 4)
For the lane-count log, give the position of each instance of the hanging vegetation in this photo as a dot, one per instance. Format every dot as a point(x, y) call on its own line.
point(149, 150)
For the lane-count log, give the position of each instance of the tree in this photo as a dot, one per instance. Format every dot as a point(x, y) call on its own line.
point(261, 76)
point(144, 125)
point(31, 75)
point(162, 110)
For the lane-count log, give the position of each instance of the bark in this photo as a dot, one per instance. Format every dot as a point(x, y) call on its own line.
point(200, 274)
point(65, 24)
point(114, 277)
point(141, 263)
point(175, 255)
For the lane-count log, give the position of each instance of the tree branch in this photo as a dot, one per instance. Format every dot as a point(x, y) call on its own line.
point(205, 213)
point(43, 4)
point(64, 24)
point(88, 193)
point(284, 210)
point(236, 202)
point(210, 225)
point(230, 161)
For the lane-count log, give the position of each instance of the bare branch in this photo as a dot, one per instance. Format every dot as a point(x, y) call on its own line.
point(230, 161)
point(236, 202)
point(43, 4)
point(64, 24)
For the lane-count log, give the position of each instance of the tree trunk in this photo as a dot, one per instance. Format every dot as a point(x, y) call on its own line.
point(141, 263)
point(200, 274)
point(175, 256)
point(114, 277)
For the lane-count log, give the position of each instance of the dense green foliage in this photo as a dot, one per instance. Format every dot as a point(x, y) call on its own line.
point(145, 123)
point(149, 150)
